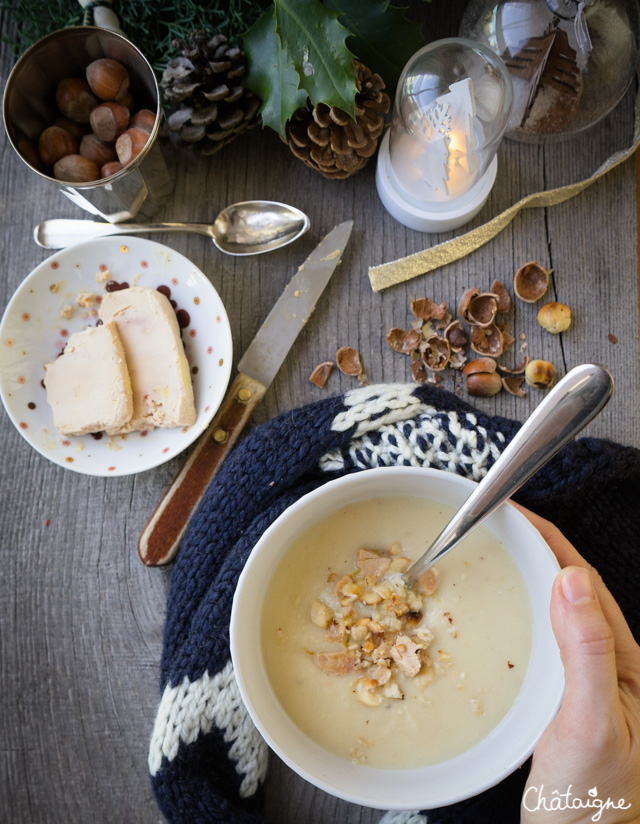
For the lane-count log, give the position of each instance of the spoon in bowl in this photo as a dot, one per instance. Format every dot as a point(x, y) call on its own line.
point(568, 407)
point(248, 228)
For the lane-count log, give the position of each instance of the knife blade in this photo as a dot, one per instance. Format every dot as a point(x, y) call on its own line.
point(160, 538)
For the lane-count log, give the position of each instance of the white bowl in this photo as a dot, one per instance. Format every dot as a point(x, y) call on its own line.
point(487, 763)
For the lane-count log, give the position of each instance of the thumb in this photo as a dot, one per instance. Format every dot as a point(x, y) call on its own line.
point(586, 644)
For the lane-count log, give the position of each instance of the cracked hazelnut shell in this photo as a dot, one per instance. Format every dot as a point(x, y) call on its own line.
point(540, 374)
point(482, 309)
point(465, 300)
point(403, 340)
point(487, 340)
point(531, 281)
point(504, 298)
point(435, 353)
point(427, 309)
point(348, 361)
point(513, 385)
point(321, 373)
point(455, 336)
point(555, 317)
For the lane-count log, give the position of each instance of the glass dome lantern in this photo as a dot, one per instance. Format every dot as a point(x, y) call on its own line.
point(571, 61)
point(437, 163)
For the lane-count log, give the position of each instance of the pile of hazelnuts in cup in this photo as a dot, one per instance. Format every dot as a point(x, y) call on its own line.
point(98, 132)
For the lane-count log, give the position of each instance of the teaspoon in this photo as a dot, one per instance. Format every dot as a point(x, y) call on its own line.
point(568, 407)
point(248, 228)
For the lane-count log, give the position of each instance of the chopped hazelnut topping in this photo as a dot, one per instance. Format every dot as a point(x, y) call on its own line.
point(380, 624)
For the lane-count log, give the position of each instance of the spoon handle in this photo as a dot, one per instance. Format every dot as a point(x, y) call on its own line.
point(568, 407)
point(59, 232)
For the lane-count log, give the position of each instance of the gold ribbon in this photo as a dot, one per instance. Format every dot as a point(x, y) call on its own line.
point(419, 263)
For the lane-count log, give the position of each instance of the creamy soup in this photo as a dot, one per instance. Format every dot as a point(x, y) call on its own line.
point(384, 676)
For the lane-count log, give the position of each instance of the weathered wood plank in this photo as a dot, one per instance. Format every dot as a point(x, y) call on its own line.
point(81, 618)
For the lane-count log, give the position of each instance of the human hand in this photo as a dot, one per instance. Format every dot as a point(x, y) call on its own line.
point(586, 766)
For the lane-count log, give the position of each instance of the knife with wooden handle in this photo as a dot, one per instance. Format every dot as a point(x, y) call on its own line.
point(257, 368)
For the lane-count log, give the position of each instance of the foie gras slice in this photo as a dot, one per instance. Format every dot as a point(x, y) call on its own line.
point(88, 386)
point(158, 368)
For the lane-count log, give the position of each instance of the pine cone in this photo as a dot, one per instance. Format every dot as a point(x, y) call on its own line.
point(329, 140)
point(208, 105)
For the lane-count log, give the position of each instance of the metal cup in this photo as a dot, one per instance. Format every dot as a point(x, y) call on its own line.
point(141, 187)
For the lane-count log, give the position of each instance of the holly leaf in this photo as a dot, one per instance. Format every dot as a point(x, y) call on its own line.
point(271, 74)
point(314, 38)
point(297, 50)
point(382, 37)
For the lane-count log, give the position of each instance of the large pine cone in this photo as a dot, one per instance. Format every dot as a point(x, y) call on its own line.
point(207, 104)
point(330, 141)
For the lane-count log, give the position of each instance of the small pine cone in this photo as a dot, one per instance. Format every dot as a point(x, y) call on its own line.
point(329, 140)
point(207, 104)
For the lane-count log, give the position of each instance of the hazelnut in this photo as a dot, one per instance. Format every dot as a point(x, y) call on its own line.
point(108, 78)
point(55, 143)
point(76, 130)
point(110, 168)
point(75, 168)
point(127, 101)
point(555, 317)
point(539, 373)
point(97, 150)
point(74, 99)
point(109, 120)
point(483, 384)
point(479, 365)
point(144, 119)
point(130, 144)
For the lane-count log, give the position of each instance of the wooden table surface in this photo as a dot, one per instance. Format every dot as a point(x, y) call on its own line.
point(81, 618)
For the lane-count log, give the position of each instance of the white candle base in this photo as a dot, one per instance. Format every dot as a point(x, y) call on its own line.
point(437, 217)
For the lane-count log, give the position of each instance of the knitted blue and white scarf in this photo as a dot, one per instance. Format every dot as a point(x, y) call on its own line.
point(206, 759)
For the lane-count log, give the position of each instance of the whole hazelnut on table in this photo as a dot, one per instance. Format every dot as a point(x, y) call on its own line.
point(482, 380)
point(555, 317)
point(108, 78)
point(74, 99)
point(540, 374)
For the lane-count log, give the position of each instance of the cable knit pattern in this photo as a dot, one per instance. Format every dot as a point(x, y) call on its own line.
point(206, 759)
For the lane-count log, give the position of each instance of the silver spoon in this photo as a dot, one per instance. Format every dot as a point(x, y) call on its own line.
point(568, 407)
point(248, 228)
